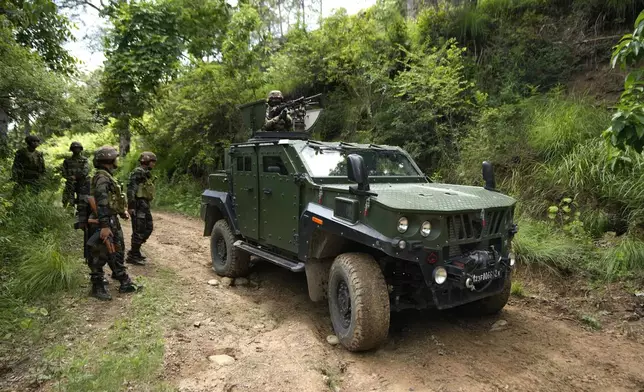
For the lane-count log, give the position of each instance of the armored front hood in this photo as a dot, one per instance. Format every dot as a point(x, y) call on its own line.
point(438, 197)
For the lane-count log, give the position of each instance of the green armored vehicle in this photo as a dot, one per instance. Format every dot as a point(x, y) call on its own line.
point(369, 230)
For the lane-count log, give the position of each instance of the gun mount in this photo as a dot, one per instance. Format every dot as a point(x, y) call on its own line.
point(304, 110)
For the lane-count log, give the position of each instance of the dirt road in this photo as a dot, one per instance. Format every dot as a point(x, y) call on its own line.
point(278, 338)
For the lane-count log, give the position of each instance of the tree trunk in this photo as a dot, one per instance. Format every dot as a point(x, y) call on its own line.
point(279, 10)
point(4, 133)
point(303, 16)
point(124, 137)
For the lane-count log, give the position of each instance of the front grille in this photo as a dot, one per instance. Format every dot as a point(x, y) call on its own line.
point(470, 226)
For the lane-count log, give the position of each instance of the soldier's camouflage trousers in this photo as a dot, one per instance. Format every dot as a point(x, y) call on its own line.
point(73, 189)
point(142, 224)
point(99, 256)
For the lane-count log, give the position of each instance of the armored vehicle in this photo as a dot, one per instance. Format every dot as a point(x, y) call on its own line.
point(366, 226)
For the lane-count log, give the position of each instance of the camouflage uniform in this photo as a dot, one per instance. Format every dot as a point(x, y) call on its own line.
point(29, 165)
point(276, 120)
point(110, 202)
point(75, 171)
point(140, 192)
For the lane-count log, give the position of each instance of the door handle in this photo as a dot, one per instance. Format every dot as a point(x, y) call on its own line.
point(267, 191)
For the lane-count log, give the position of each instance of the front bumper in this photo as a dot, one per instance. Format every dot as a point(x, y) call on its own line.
point(470, 277)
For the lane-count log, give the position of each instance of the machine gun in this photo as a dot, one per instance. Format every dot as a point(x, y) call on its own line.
point(296, 103)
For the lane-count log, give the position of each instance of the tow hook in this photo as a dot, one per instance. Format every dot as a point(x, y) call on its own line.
point(469, 283)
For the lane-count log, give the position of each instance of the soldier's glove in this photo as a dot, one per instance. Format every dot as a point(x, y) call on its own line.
point(106, 232)
point(283, 114)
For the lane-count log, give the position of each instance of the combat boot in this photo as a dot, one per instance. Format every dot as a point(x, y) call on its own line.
point(127, 286)
point(134, 255)
point(99, 291)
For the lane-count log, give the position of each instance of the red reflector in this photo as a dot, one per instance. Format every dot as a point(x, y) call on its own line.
point(317, 220)
point(432, 258)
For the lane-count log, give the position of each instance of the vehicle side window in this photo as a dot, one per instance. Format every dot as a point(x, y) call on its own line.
point(244, 164)
point(274, 164)
point(240, 163)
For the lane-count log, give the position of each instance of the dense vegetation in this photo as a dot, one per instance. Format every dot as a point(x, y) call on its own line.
point(548, 90)
point(523, 83)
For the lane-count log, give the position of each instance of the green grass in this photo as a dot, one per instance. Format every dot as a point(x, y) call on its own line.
point(591, 322)
point(128, 355)
point(627, 258)
point(47, 269)
point(181, 195)
point(542, 244)
point(517, 289)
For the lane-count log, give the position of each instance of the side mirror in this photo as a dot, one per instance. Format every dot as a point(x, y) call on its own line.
point(357, 171)
point(488, 176)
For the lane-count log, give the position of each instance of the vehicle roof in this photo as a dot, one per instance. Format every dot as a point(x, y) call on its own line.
point(315, 143)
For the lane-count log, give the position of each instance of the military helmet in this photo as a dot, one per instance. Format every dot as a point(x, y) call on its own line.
point(32, 139)
point(105, 154)
point(275, 94)
point(75, 145)
point(147, 156)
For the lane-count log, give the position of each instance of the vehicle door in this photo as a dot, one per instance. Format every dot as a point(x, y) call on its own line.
point(245, 190)
point(279, 199)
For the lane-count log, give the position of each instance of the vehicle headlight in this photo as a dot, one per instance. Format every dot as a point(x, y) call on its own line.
point(425, 229)
point(440, 275)
point(403, 225)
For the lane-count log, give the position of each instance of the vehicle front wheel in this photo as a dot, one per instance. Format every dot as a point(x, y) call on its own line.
point(489, 305)
point(227, 260)
point(358, 301)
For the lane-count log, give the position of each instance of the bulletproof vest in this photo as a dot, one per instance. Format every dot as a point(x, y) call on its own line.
point(146, 190)
point(75, 165)
point(116, 200)
point(30, 163)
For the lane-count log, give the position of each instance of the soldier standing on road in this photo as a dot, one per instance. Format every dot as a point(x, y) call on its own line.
point(276, 120)
point(75, 171)
point(29, 165)
point(140, 192)
point(110, 204)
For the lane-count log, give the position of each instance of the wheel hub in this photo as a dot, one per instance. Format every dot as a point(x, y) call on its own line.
point(344, 304)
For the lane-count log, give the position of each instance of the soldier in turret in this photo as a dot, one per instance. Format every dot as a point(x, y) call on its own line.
point(140, 192)
point(110, 204)
point(28, 167)
point(75, 170)
point(277, 119)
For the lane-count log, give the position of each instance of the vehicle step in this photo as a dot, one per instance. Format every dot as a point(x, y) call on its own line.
point(272, 257)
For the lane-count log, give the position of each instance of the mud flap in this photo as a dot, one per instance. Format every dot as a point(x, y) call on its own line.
point(317, 278)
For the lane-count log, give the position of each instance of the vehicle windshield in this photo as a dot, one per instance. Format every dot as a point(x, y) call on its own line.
point(332, 162)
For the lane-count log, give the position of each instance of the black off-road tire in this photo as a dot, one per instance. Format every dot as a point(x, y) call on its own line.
point(489, 305)
point(367, 324)
point(232, 262)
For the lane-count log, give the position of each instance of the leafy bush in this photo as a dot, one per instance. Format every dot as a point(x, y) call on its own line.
point(627, 258)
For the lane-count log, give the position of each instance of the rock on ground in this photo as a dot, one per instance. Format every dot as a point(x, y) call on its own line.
point(499, 326)
point(213, 282)
point(221, 360)
point(332, 340)
point(226, 282)
point(241, 282)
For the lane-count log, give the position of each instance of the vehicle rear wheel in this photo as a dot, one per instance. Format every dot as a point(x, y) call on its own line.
point(227, 260)
point(489, 305)
point(358, 301)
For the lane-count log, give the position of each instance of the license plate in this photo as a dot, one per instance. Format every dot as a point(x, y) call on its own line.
point(487, 275)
